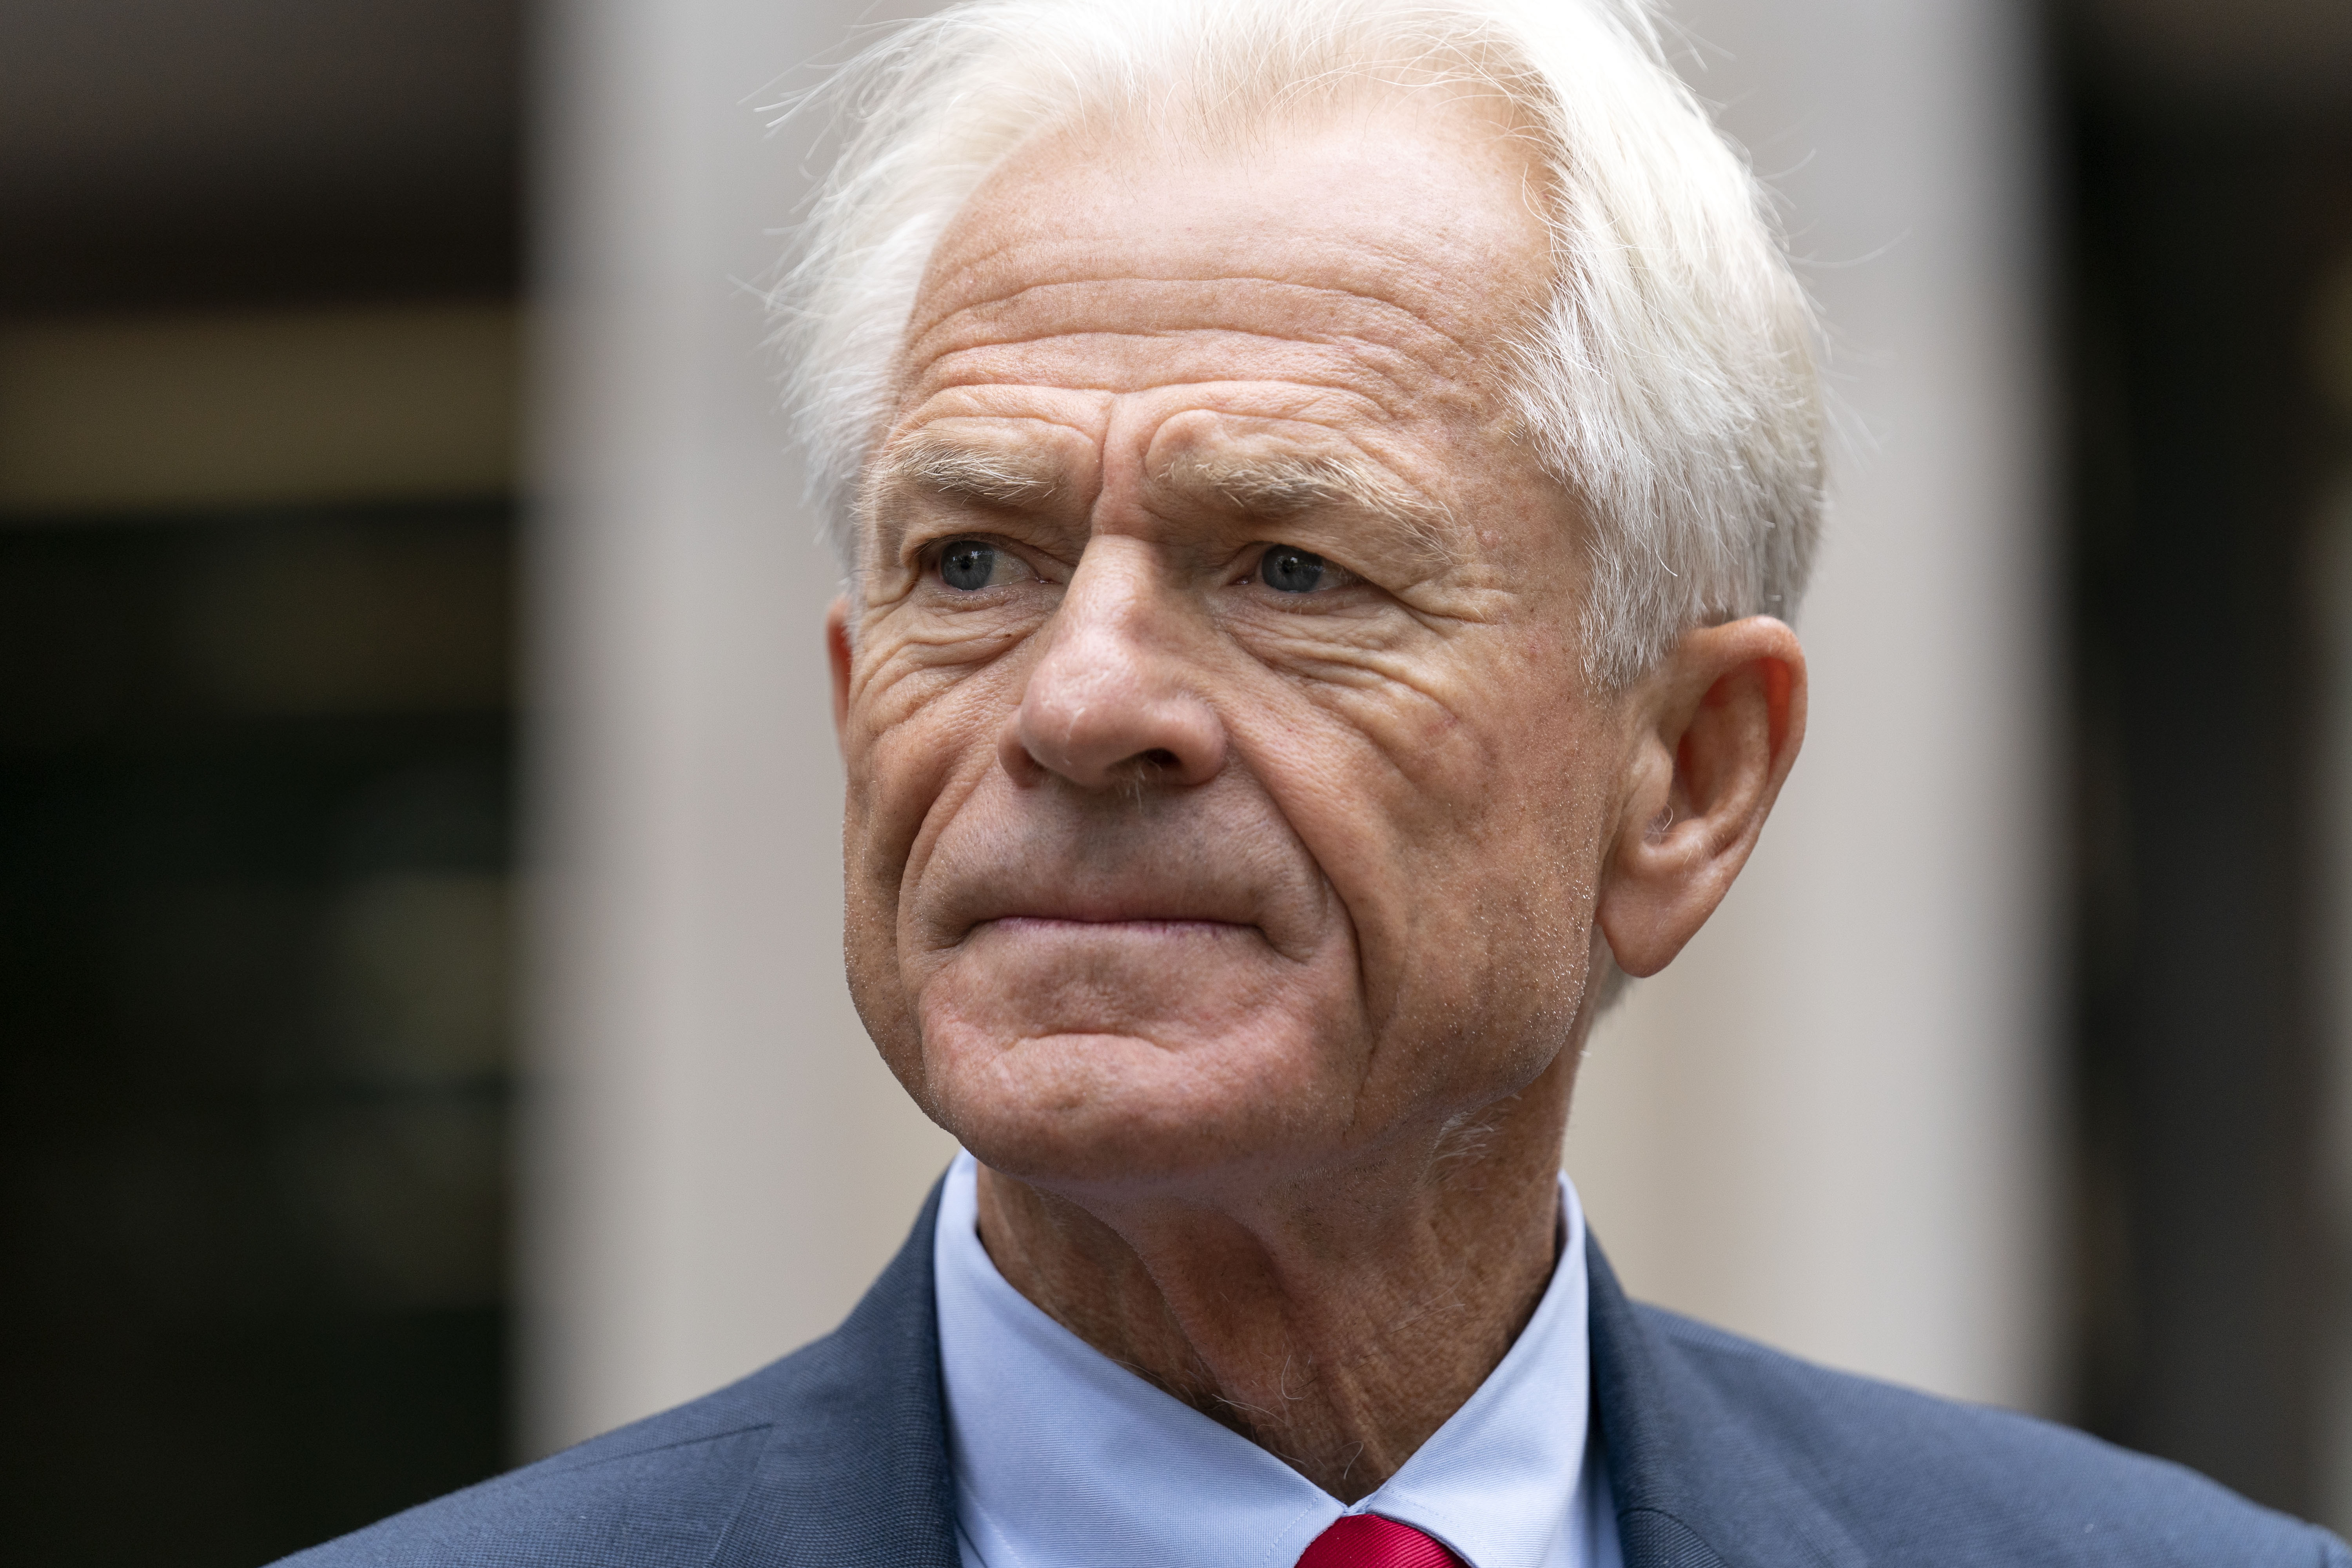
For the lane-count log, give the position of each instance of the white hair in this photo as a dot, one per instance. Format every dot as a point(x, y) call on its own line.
point(1670, 382)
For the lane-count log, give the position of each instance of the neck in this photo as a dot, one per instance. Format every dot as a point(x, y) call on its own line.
point(1336, 1322)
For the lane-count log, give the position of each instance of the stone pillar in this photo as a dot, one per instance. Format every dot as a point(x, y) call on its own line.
point(1831, 1122)
point(715, 1162)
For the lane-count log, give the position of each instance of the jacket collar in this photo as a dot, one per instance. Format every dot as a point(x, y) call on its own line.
point(1696, 1485)
point(858, 1473)
point(856, 1467)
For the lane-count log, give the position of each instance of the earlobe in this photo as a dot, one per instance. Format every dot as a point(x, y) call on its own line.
point(1720, 726)
point(836, 649)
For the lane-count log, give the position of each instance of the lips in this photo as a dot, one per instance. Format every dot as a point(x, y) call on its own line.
point(1137, 925)
point(1074, 897)
point(1219, 860)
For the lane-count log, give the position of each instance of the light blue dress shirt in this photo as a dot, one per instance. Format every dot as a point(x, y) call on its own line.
point(1063, 1458)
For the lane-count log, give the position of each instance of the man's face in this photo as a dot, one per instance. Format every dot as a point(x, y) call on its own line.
point(1224, 798)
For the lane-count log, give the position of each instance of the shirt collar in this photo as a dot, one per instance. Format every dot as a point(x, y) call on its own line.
point(1064, 1459)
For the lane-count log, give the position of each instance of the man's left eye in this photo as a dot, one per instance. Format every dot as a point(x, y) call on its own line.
point(972, 565)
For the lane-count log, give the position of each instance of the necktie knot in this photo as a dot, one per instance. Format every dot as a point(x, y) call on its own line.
point(1368, 1540)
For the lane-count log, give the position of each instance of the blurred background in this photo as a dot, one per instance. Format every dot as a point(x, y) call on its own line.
point(421, 1022)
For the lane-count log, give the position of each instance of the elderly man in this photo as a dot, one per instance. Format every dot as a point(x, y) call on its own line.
point(1324, 484)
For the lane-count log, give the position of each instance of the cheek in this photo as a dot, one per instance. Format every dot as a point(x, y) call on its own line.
point(914, 743)
point(915, 733)
point(1403, 790)
point(1457, 822)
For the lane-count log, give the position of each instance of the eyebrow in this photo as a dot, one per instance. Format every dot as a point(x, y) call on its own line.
point(970, 473)
point(1276, 485)
point(1269, 484)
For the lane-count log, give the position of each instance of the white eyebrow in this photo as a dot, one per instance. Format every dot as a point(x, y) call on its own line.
point(1279, 484)
point(1270, 485)
point(968, 473)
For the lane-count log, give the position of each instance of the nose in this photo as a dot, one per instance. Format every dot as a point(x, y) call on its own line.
point(1113, 700)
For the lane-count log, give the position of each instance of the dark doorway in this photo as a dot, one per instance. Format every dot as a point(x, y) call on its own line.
point(255, 843)
point(256, 794)
point(2210, 208)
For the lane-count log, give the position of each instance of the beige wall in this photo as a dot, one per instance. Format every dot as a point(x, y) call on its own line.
point(1830, 1123)
point(1827, 1125)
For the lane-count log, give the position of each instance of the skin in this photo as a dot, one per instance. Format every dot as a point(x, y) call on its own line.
point(1247, 938)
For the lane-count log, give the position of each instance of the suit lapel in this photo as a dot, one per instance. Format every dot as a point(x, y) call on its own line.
point(856, 1467)
point(855, 1473)
point(1698, 1482)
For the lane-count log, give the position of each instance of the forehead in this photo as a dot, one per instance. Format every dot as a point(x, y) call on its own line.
point(1399, 233)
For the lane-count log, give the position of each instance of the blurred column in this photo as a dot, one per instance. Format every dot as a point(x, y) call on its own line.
point(1830, 1123)
point(715, 1162)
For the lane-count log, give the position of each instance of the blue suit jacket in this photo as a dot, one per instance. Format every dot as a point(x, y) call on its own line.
point(1720, 1452)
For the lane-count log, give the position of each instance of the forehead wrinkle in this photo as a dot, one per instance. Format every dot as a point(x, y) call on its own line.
point(1374, 389)
point(1387, 382)
point(1217, 315)
point(1367, 343)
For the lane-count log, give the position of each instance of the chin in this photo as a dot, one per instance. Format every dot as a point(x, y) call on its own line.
point(1094, 1109)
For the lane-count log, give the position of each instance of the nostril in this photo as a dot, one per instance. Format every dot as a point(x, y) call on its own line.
point(1160, 757)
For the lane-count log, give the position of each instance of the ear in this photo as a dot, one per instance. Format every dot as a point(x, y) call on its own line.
point(1717, 729)
point(836, 653)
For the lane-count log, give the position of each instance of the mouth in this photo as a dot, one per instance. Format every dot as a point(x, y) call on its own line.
point(1107, 908)
point(1123, 925)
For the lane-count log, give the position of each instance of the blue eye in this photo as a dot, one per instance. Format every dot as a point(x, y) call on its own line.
point(1287, 569)
point(969, 563)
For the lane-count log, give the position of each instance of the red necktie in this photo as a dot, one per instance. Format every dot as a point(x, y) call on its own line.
point(1368, 1540)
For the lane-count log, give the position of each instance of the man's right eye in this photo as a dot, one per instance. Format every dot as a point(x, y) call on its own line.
point(972, 565)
